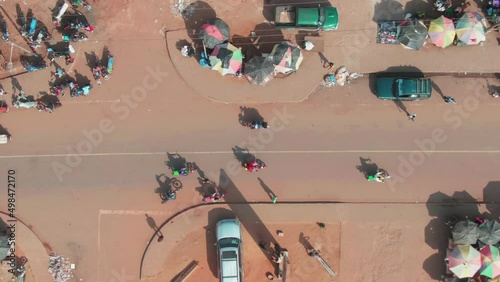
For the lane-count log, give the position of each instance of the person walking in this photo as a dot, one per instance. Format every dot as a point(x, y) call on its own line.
point(412, 117)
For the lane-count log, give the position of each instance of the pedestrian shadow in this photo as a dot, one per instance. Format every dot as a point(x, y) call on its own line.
point(419, 6)
point(243, 155)
point(245, 213)
point(249, 115)
point(81, 79)
point(401, 107)
point(92, 59)
point(151, 222)
point(16, 85)
point(388, 10)
point(367, 167)
point(445, 209)
point(266, 188)
point(304, 241)
point(175, 161)
point(214, 216)
point(438, 90)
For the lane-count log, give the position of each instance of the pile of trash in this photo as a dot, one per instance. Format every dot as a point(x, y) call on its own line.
point(340, 77)
point(182, 8)
point(60, 268)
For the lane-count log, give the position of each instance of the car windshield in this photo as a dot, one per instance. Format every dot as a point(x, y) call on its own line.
point(229, 242)
point(321, 20)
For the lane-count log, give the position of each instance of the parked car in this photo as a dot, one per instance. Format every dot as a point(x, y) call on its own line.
point(228, 235)
point(320, 18)
point(404, 89)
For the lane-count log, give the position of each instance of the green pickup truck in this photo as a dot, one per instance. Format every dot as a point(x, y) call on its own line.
point(321, 18)
point(404, 89)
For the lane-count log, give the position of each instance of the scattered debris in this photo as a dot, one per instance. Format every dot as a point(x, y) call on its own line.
point(60, 268)
point(183, 8)
point(280, 233)
point(340, 77)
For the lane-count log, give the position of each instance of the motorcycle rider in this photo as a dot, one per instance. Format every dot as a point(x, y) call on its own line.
point(449, 100)
point(258, 124)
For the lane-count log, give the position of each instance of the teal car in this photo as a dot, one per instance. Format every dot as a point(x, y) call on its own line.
point(404, 89)
point(320, 18)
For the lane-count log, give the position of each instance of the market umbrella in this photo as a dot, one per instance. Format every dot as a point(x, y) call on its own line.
point(213, 32)
point(226, 59)
point(465, 232)
point(470, 28)
point(489, 232)
point(413, 34)
point(259, 70)
point(442, 32)
point(286, 57)
point(464, 261)
point(491, 261)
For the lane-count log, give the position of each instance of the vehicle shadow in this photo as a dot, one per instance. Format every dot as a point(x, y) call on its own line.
point(243, 155)
point(244, 212)
point(267, 36)
point(249, 115)
point(175, 161)
point(92, 59)
point(214, 216)
point(442, 208)
point(367, 167)
point(388, 10)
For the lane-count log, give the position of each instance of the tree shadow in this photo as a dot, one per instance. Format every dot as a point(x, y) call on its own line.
point(419, 6)
point(195, 15)
point(266, 188)
point(444, 209)
point(491, 196)
point(247, 216)
point(246, 43)
point(367, 167)
point(214, 216)
point(388, 10)
point(81, 79)
point(243, 155)
point(175, 161)
point(266, 36)
point(249, 115)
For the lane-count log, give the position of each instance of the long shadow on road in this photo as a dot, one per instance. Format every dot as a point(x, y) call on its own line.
point(244, 212)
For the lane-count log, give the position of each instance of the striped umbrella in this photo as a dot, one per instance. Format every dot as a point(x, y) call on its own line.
point(226, 59)
point(442, 32)
point(464, 261)
point(286, 57)
point(491, 261)
point(470, 28)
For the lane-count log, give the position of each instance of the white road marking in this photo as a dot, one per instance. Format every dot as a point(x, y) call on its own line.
point(254, 152)
point(91, 101)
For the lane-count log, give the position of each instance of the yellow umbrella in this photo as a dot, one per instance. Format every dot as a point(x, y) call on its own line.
point(442, 32)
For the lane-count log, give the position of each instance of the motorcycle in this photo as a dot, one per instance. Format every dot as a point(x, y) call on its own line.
point(48, 107)
point(5, 30)
point(171, 194)
point(213, 198)
point(109, 69)
point(52, 55)
point(77, 90)
point(254, 165)
point(380, 176)
point(84, 3)
point(255, 124)
point(96, 72)
point(495, 93)
point(4, 107)
point(77, 24)
point(185, 171)
point(76, 36)
point(43, 35)
point(449, 100)
point(59, 89)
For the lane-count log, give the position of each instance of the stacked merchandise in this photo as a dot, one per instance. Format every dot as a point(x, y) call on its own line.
point(60, 268)
point(387, 33)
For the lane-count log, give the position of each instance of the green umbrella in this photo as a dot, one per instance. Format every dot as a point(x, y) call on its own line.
point(491, 261)
point(465, 232)
point(489, 232)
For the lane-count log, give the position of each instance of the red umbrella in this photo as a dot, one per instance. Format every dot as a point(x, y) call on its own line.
point(214, 32)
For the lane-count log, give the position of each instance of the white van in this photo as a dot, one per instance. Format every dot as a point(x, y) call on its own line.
point(228, 235)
